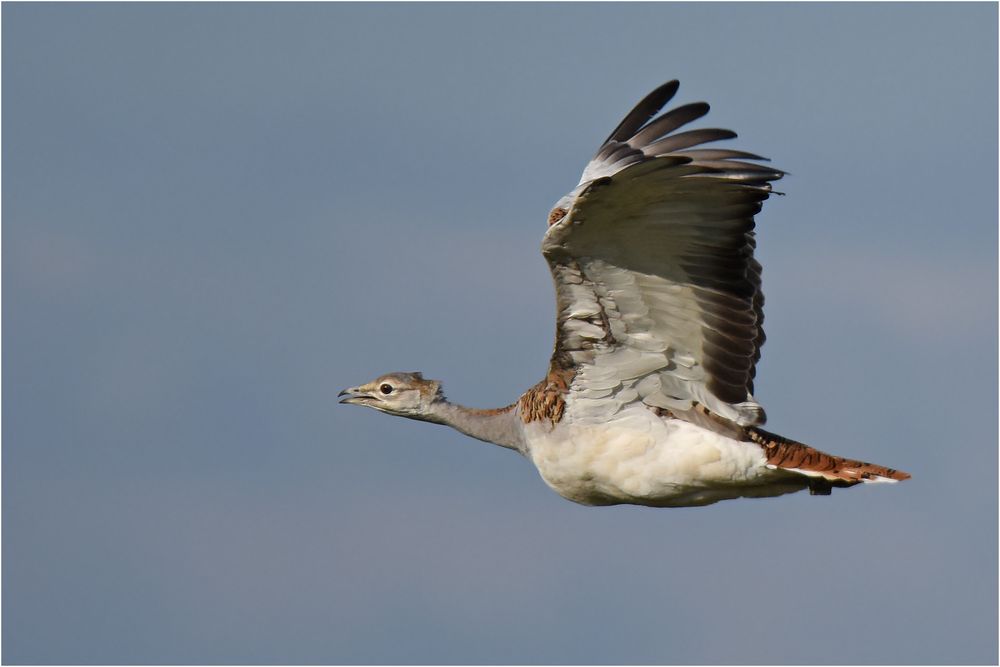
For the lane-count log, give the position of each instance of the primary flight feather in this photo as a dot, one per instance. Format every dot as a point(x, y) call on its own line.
point(648, 397)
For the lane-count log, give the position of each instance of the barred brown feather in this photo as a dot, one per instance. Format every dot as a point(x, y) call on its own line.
point(784, 453)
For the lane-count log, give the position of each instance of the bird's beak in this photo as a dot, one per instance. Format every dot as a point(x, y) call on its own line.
point(356, 396)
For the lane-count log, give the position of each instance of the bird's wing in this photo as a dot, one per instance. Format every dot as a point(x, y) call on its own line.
point(657, 289)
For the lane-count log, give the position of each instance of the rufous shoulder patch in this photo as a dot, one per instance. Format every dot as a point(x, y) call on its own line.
point(556, 214)
point(547, 399)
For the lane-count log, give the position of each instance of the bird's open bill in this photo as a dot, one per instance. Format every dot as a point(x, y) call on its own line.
point(355, 396)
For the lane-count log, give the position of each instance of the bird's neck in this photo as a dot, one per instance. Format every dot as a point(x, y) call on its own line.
point(501, 427)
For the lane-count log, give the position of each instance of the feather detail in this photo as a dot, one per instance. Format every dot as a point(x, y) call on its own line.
point(653, 253)
point(797, 457)
point(643, 111)
point(546, 401)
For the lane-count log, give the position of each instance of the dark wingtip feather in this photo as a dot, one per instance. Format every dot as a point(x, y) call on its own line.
point(669, 122)
point(644, 110)
point(723, 154)
point(676, 142)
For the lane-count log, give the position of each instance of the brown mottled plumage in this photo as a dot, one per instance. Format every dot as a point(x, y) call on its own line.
point(547, 399)
point(555, 215)
point(791, 455)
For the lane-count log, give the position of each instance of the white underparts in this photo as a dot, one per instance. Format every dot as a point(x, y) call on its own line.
point(641, 458)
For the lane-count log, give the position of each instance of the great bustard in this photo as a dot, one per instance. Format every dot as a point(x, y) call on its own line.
point(649, 393)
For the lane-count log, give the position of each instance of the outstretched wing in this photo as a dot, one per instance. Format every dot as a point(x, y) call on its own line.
point(657, 289)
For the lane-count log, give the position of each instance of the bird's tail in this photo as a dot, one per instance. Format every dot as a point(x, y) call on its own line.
point(824, 470)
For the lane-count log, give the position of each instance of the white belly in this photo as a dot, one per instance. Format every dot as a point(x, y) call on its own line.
point(638, 457)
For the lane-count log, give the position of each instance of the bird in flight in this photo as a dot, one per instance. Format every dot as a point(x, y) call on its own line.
point(648, 398)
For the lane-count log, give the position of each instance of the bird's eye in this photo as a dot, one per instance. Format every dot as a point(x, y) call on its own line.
point(386, 388)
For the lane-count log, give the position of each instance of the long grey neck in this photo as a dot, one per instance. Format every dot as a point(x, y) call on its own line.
point(501, 427)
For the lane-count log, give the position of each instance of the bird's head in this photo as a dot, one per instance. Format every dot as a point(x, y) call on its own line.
point(402, 394)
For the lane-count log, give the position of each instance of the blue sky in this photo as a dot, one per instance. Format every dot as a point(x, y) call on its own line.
point(215, 217)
